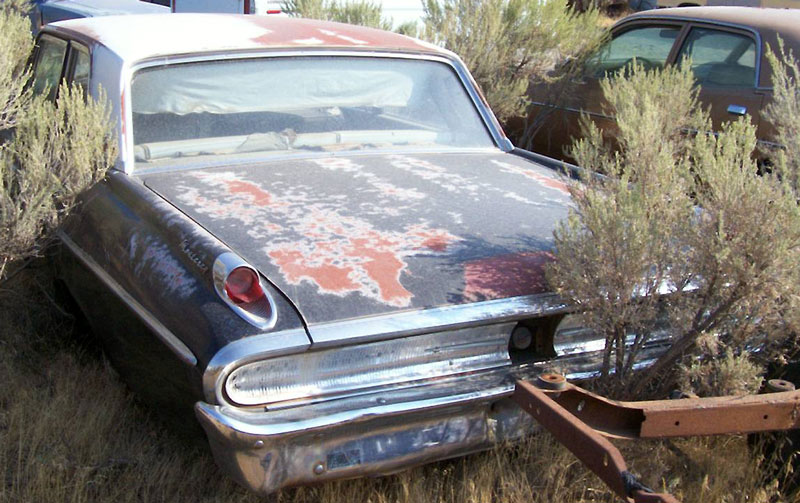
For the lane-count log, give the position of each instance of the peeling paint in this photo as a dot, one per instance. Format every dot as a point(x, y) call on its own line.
point(189, 33)
point(546, 181)
point(446, 179)
point(313, 242)
point(358, 235)
point(381, 186)
point(152, 259)
point(341, 36)
point(307, 41)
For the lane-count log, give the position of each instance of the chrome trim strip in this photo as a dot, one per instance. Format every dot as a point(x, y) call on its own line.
point(235, 421)
point(771, 144)
point(296, 155)
point(247, 350)
point(737, 110)
point(223, 265)
point(359, 369)
point(163, 333)
point(490, 121)
point(581, 111)
point(376, 328)
point(388, 326)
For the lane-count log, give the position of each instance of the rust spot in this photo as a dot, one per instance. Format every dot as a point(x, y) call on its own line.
point(506, 276)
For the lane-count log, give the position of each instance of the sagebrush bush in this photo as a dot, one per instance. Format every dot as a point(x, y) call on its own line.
point(507, 43)
point(783, 111)
point(359, 12)
point(17, 44)
point(678, 214)
point(53, 151)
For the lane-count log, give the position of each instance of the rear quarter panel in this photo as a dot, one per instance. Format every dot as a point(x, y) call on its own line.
point(124, 235)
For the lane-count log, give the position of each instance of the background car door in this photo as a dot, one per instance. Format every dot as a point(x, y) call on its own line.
point(649, 43)
point(724, 64)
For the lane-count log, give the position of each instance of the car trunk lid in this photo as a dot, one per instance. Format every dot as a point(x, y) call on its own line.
point(368, 234)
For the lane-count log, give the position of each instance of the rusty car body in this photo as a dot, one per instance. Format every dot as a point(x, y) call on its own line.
point(727, 46)
point(317, 237)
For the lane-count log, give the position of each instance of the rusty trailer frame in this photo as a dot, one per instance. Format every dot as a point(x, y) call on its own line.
point(583, 422)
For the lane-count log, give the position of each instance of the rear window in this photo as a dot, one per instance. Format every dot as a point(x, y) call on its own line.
point(277, 105)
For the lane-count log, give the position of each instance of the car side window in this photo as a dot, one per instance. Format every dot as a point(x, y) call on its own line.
point(49, 64)
point(649, 45)
point(81, 64)
point(721, 58)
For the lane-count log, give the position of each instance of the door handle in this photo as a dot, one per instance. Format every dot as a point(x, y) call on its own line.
point(737, 109)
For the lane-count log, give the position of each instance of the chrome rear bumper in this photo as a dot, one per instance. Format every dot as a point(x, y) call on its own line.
point(374, 434)
point(382, 431)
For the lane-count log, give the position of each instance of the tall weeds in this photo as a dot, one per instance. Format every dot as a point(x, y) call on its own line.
point(71, 433)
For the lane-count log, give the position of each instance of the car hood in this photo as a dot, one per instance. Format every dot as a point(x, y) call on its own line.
point(346, 237)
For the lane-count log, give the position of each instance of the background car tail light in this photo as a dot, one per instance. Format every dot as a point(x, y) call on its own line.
point(242, 285)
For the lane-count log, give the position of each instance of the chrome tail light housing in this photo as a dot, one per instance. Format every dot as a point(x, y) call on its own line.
point(243, 289)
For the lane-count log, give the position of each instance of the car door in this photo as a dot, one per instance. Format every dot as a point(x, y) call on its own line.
point(724, 62)
point(650, 42)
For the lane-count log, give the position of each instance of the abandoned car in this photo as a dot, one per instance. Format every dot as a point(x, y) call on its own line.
point(318, 236)
point(727, 47)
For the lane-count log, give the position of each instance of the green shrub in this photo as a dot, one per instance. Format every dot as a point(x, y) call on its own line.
point(783, 112)
point(684, 214)
point(54, 152)
point(359, 12)
point(15, 34)
point(507, 43)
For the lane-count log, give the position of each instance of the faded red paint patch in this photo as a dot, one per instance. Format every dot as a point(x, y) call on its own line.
point(258, 196)
point(357, 259)
point(328, 276)
point(506, 276)
point(547, 181)
point(433, 239)
point(310, 241)
point(383, 266)
point(285, 32)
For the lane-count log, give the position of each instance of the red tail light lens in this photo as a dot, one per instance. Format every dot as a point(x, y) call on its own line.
point(242, 285)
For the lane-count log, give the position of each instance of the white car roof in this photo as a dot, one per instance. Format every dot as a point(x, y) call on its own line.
point(137, 37)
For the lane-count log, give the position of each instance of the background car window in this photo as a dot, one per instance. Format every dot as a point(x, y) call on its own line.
point(80, 66)
point(721, 58)
point(49, 63)
point(650, 46)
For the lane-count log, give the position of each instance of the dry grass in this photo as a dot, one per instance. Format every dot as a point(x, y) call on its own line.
point(71, 432)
